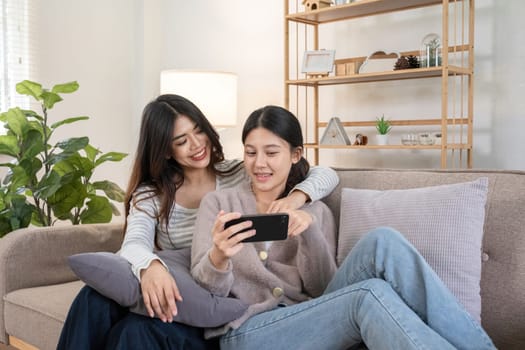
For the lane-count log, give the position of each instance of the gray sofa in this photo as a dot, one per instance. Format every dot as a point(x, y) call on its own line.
point(37, 286)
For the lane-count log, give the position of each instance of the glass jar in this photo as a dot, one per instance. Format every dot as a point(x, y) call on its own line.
point(409, 139)
point(430, 52)
point(426, 139)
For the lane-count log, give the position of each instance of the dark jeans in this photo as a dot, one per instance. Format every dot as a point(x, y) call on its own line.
point(95, 322)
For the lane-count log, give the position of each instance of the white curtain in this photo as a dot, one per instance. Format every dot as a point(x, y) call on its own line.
point(15, 51)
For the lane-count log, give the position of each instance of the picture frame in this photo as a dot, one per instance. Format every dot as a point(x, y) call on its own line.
point(318, 62)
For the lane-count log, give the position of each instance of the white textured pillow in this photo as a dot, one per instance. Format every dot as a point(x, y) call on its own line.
point(444, 223)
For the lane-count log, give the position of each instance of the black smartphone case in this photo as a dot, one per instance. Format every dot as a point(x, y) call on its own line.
point(268, 227)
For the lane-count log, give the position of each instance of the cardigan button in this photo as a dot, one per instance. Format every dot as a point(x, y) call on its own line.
point(263, 255)
point(277, 292)
point(484, 257)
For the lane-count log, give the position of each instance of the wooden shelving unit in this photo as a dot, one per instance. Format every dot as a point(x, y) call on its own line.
point(446, 74)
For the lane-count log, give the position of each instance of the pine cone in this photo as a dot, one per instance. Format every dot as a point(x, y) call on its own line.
point(413, 62)
point(402, 63)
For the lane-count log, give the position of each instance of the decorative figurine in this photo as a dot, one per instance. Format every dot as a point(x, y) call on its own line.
point(360, 140)
point(335, 134)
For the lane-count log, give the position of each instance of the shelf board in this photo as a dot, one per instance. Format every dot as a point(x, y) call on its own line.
point(415, 73)
point(399, 122)
point(399, 146)
point(358, 9)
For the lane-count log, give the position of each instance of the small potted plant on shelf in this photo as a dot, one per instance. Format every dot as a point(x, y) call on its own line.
point(383, 127)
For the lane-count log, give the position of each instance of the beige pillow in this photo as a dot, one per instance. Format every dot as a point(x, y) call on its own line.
point(444, 223)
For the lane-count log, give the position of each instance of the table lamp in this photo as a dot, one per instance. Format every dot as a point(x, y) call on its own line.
point(215, 93)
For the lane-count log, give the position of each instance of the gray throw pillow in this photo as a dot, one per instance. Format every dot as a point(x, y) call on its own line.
point(444, 223)
point(111, 275)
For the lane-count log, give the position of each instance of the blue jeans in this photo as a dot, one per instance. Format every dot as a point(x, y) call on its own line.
point(95, 322)
point(384, 294)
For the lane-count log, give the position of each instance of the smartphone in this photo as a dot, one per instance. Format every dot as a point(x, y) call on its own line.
point(268, 227)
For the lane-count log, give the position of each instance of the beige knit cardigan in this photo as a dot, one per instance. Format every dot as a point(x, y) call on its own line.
point(289, 271)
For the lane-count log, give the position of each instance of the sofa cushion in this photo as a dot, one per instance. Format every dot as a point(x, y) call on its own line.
point(36, 315)
point(445, 223)
point(111, 275)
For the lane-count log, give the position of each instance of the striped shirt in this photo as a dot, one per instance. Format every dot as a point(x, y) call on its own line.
point(142, 223)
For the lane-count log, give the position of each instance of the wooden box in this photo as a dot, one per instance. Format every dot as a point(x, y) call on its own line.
point(347, 66)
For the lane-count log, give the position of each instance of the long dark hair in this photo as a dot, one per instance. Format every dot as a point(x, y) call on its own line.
point(153, 165)
point(284, 124)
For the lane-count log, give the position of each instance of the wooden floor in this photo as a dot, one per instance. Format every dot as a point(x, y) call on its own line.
point(6, 347)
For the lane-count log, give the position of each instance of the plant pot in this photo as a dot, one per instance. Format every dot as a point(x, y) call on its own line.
point(382, 139)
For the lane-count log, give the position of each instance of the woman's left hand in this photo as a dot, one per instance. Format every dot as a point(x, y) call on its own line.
point(299, 221)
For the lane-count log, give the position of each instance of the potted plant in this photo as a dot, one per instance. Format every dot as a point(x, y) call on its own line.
point(48, 181)
point(383, 127)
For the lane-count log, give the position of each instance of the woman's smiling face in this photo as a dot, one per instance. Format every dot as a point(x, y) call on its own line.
point(268, 159)
point(190, 145)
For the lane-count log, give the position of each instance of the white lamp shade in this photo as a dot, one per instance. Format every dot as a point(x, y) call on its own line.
point(215, 93)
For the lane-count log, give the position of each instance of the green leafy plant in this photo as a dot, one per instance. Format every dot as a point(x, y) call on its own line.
point(383, 126)
point(46, 182)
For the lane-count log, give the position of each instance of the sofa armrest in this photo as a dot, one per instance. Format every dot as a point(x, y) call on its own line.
point(37, 256)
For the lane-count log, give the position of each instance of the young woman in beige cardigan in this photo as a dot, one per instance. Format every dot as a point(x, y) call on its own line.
point(384, 294)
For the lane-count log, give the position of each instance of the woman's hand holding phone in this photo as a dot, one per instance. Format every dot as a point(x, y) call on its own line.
point(227, 241)
point(231, 229)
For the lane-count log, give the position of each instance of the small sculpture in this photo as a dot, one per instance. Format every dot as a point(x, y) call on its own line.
point(360, 140)
point(335, 134)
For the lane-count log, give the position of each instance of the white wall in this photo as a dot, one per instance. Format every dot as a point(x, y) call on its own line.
point(247, 37)
point(500, 84)
point(93, 43)
point(244, 37)
point(116, 49)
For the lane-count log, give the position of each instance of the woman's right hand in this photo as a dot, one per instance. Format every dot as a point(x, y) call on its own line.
point(159, 291)
point(227, 242)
